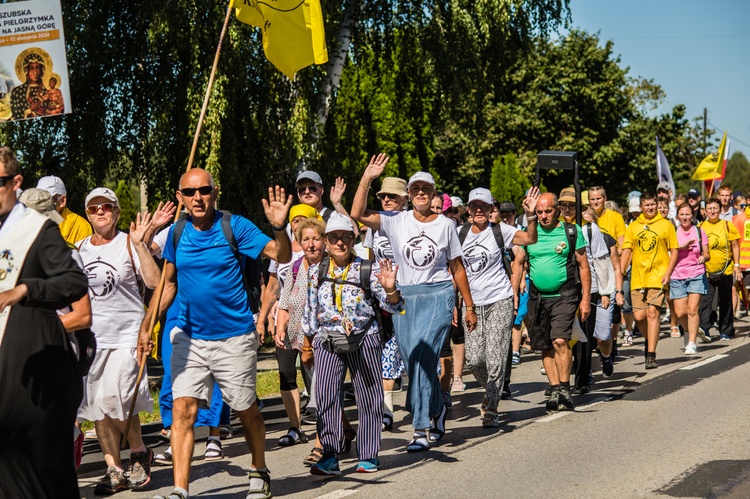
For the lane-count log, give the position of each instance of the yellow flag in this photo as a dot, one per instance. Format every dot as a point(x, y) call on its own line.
point(710, 167)
point(293, 34)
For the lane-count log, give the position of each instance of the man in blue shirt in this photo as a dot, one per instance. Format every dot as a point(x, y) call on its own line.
point(215, 338)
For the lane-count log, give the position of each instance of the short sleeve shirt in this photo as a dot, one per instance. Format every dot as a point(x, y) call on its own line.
point(720, 236)
point(612, 223)
point(483, 261)
point(650, 242)
point(549, 256)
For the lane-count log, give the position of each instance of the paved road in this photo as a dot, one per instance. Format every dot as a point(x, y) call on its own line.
point(680, 430)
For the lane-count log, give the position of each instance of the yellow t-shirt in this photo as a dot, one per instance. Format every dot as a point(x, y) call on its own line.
point(650, 242)
point(612, 223)
point(720, 236)
point(74, 227)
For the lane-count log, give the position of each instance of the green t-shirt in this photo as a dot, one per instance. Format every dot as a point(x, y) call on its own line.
point(548, 259)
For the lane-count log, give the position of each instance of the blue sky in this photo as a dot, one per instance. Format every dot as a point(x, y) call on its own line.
point(697, 50)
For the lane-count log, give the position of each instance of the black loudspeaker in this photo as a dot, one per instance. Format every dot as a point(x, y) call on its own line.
point(557, 160)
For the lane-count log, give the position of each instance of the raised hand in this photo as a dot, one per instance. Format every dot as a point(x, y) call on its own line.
point(529, 202)
point(277, 206)
point(163, 214)
point(687, 245)
point(387, 274)
point(337, 191)
point(376, 167)
point(140, 226)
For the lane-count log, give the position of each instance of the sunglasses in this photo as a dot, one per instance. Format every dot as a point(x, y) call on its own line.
point(387, 195)
point(204, 190)
point(335, 238)
point(5, 179)
point(312, 188)
point(93, 209)
point(568, 206)
point(479, 206)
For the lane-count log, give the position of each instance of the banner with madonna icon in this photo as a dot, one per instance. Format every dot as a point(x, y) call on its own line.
point(33, 67)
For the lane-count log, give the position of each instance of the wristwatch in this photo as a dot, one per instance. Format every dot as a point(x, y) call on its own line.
point(619, 291)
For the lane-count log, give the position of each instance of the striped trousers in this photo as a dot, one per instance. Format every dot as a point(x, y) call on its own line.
point(330, 369)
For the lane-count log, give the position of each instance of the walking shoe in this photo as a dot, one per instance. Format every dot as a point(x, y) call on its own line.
point(114, 481)
point(582, 390)
point(447, 399)
point(548, 391)
point(458, 385)
point(368, 466)
point(505, 393)
point(543, 371)
point(438, 425)
point(628, 340)
point(651, 363)
point(725, 337)
point(608, 367)
point(674, 332)
point(327, 466)
point(140, 469)
point(260, 484)
point(516, 358)
point(553, 404)
point(691, 349)
point(225, 431)
point(705, 338)
point(565, 403)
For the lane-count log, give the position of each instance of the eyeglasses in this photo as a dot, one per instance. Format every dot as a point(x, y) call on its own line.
point(567, 206)
point(479, 206)
point(312, 188)
point(204, 190)
point(387, 195)
point(335, 238)
point(742, 205)
point(5, 179)
point(93, 209)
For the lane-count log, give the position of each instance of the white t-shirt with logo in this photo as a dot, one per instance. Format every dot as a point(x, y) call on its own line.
point(483, 261)
point(116, 305)
point(379, 244)
point(421, 250)
point(285, 269)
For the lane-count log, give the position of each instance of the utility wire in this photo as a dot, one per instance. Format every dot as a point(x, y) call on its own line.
point(729, 135)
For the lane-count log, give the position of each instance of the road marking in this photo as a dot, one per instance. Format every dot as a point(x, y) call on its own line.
point(551, 417)
point(336, 494)
point(704, 362)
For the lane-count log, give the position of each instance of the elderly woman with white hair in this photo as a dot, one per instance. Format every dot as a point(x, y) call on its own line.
point(115, 262)
point(340, 325)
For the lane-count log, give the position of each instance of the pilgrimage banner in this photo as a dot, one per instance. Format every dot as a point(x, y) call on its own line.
point(33, 67)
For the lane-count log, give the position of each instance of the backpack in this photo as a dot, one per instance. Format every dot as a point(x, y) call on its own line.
point(571, 265)
point(250, 268)
point(383, 318)
point(498, 233)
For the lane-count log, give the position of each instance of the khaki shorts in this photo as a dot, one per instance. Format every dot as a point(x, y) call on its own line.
point(642, 298)
point(230, 362)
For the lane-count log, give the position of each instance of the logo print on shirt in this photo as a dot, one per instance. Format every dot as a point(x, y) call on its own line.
point(646, 241)
point(476, 258)
point(713, 241)
point(381, 246)
point(99, 271)
point(420, 252)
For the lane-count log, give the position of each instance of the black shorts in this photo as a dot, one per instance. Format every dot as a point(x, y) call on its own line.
point(456, 336)
point(616, 314)
point(554, 321)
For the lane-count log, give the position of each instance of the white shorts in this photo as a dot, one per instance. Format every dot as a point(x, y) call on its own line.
point(603, 327)
point(230, 362)
point(108, 389)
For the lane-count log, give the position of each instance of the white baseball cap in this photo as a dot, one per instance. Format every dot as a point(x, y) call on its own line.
point(53, 185)
point(103, 192)
point(421, 177)
point(309, 175)
point(457, 201)
point(480, 194)
point(337, 221)
point(634, 205)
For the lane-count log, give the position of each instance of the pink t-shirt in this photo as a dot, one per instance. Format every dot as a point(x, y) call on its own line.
point(687, 260)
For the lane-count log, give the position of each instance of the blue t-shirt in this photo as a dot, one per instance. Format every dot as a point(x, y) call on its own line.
point(211, 296)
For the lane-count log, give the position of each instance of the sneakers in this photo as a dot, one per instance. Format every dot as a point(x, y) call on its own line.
point(724, 337)
point(260, 484)
point(458, 385)
point(327, 466)
point(516, 359)
point(651, 363)
point(553, 404)
point(368, 466)
point(543, 371)
point(548, 391)
point(691, 349)
point(705, 338)
point(140, 469)
point(628, 340)
point(564, 402)
point(582, 390)
point(675, 332)
point(608, 367)
point(114, 481)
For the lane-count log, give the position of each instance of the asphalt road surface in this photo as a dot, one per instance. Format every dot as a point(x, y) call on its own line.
point(681, 430)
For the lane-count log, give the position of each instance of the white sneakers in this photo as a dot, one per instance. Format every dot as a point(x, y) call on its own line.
point(691, 349)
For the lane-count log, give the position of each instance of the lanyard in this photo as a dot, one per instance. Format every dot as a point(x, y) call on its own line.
point(338, 288)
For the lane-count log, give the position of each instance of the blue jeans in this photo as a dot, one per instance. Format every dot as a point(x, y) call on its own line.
point(420, 334)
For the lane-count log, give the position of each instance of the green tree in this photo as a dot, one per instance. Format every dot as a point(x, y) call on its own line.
point(738, 173)
point(506, 181)
point(127, 205)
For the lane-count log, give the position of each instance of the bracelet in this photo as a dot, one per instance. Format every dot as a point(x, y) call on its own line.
point(736, 264)
point(619, 291)
point(365, 186)
point(281, 227)
point(470, 308)
point(530, 218)
point(392, 292)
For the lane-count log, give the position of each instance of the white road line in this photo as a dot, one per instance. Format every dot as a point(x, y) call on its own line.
point(703, 362)
point(336, 494)
point(562, 414)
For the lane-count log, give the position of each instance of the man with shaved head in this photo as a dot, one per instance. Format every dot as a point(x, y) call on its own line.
point(215, 339)
point(560, 284)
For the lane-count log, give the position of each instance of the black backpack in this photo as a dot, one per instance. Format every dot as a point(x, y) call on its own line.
point(250, 268)
point(383, 318)
point(498, 233)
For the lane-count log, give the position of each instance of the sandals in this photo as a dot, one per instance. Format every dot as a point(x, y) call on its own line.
point(438, 425)
point(316, 454)
point(419, 443)
point(225, 431)
point(165, 434)
point(165, 458)
point(213, 450)
point(349, 435)
point(490, 419)
point(675, 332)
point(387, 421)
point(260, 485)
point(175, 494)
point(294, 436)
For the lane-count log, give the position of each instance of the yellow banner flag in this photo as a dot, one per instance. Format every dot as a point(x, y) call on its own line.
point(710, 167)
point(293, 34)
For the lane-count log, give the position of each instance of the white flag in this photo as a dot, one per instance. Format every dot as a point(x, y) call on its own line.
point(663, 174)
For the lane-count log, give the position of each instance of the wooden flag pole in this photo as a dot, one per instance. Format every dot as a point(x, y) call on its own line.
point(154, 310)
